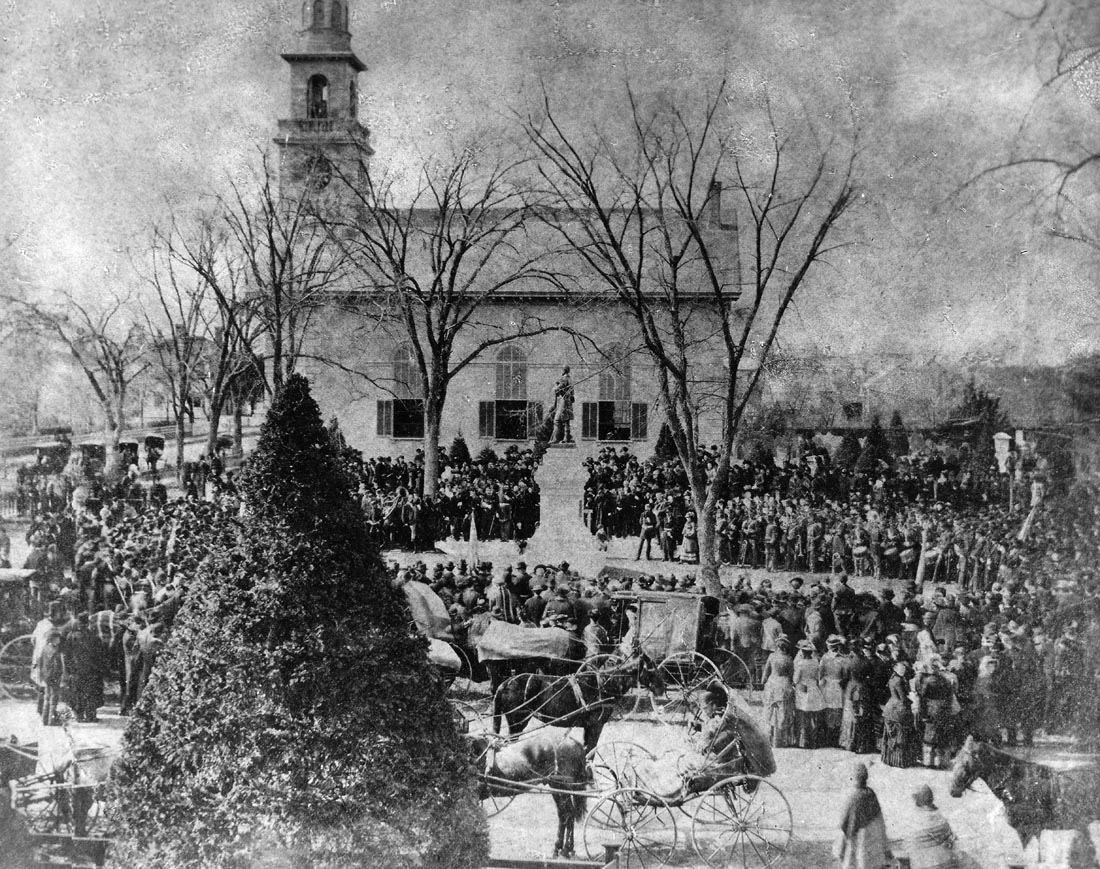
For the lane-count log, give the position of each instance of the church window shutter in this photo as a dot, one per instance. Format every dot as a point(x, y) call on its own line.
point(486, 419)
point(639, 421)
point(589, 420)
point(385, 419)
point(534, 417)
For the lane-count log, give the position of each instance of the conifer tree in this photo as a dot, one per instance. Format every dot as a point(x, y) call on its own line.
point(875, 450)
point(898, 436)
point(292, 718)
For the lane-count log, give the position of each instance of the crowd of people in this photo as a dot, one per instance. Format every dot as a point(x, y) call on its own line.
point(108, 579)
point(931, 512)
point(907, 674)
point(494, 497)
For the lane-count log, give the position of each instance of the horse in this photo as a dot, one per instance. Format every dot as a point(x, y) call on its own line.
point(556, 764)
point(1034, 798)
point(584, 699)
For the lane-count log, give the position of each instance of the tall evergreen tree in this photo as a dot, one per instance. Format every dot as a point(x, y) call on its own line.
point(292, 719)
point(875, 450)
point(848, 452)
point(975, 420)
point(898, 436)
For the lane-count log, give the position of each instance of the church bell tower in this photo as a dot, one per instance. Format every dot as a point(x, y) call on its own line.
point(323, 137)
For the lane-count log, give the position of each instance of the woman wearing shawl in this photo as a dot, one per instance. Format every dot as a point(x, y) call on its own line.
point(779, 694)
point(862, 843)
point(929, 845)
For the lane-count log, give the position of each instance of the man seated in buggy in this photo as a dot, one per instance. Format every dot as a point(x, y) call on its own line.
point(726, 743)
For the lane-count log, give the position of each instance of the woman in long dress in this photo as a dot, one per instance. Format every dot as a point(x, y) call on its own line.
point(930, 844)
point(899, 738)
point(936, 697)
point(689, 548)
point(856, 724)
point(779, 693)
point(862, 843)
point(809, 701)
point(835, 672)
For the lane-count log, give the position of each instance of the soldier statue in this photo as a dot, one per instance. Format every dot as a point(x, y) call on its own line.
point(563, 409)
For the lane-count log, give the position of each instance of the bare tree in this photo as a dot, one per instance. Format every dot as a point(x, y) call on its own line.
point(431, 269)
point(1060, 172)
point(110, 348)
point(640, 219)
point(174, 320)
point(289, 263)
point(220, 316)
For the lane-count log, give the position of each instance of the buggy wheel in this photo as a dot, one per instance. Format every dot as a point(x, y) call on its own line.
point(462, 682)
point(15, 669)
point(45, 807)
point(641, 823)
point(614, 765)
point(494, 804)
point(737, 674)
point(592, 666)
point(743, 821)
point(686, 675)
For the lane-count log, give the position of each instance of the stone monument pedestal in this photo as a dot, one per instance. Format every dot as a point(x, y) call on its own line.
point(562, 534)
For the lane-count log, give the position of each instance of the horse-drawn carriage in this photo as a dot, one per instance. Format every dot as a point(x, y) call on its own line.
point(667, 651)
point(717, 780)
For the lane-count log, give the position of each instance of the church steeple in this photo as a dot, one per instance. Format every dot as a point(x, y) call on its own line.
point(324, 125)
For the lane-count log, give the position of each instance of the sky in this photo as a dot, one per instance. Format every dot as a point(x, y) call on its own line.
point(115, 112)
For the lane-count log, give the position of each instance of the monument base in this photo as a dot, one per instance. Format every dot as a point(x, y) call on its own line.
point(562, 534)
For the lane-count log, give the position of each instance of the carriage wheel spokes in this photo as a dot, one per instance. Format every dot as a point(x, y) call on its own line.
point(15, 668)
point(744, 821)
point(686, 676)
point(45, 807)
point(494, 804)
point(618, 764)
point(640, 822)
point(593, 665)
point(736, 673)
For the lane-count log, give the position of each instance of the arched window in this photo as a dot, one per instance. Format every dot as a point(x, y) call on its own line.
point(406, 377)
point(337, 15)
point(318, 13)
point(614, 417)
point(403, 415)
point(307, 13)
point(510, 417)
point(353, 99)
point(511, 371)
point(615, 376)
point(317, 97)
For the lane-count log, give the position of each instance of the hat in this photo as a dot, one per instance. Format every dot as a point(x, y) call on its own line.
point(923, 797)
point(805, 645)
point(835, 640)
point(782, 640)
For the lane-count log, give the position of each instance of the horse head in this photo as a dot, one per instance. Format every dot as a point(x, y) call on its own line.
point(615, 675)
point(970, 763)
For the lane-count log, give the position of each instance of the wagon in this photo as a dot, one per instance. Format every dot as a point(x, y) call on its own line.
point(680, 633)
